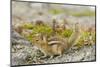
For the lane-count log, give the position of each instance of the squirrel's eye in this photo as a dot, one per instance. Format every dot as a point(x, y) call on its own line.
point(37, 40)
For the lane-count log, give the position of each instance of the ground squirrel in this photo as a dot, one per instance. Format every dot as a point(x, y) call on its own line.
point(56, 45)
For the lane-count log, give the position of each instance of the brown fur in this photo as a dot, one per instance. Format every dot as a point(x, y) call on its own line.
point(58, 45)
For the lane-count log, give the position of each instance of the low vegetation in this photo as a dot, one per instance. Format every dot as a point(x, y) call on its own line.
point(45, 29)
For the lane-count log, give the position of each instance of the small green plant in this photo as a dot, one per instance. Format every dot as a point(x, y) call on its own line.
point(67, 33)
point(84, 36)
point(42, 29)
point(28, 26)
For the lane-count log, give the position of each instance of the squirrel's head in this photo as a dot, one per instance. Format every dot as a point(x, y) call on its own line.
point(39, 38)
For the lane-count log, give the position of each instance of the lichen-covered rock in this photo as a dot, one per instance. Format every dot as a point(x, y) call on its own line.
point(22, 50)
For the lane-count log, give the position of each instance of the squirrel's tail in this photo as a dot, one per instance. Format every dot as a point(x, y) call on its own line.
point(75, 36)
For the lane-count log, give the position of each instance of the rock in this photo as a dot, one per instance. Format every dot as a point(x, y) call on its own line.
point(22, 50)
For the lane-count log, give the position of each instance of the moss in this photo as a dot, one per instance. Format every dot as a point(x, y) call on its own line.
point(42, 29)
point(67, 33)
point(27, 26)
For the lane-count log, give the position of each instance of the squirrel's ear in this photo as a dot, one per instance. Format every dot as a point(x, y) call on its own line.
point(40, 36)
point(45, 38)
